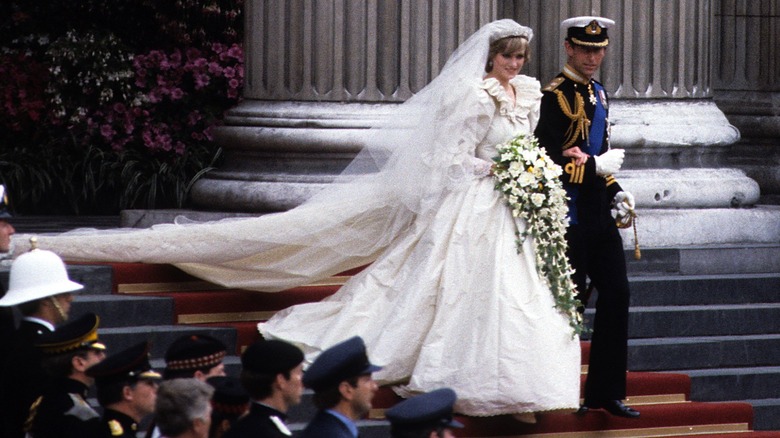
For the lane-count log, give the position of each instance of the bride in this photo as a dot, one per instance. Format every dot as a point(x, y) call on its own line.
point(446, 300)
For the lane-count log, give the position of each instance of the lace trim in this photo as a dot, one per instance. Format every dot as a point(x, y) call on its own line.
point(527, 94)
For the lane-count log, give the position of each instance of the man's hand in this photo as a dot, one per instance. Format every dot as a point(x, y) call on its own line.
point(609, 162)
point(580, 157)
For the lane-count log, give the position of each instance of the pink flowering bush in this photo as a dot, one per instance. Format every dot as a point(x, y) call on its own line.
point(99, 117)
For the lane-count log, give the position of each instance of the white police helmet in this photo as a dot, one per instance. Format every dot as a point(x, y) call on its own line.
point(35, 275)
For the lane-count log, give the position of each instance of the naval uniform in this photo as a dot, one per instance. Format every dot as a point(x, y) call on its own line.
point(63, 412)
point(574, 113)
point(261, 421)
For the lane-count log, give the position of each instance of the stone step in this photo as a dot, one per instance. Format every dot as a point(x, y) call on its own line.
point(720, 384)
point(97, 279)
point(709, 259)
point(689, 290)
point(125, 311)
point(766, 413)
point(702, 320)
point(160, 336)
point(703, 352)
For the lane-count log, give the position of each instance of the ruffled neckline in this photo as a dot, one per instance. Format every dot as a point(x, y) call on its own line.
point(527, 94)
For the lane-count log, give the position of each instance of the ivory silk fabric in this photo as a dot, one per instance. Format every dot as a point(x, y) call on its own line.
point(450, 302)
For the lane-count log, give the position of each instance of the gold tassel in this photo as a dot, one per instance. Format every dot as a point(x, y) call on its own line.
point(637, 252)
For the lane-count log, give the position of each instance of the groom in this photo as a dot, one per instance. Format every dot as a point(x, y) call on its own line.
point(574, 129)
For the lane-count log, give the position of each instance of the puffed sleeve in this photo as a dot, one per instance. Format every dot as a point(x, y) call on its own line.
point(463, 122)
point(529, 97)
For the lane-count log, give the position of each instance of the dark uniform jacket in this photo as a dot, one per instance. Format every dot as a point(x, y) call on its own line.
point(261, 422)
point(63, 412)
point(566, 118)
point(23, 379)
point(117, 424)
point(325, 425)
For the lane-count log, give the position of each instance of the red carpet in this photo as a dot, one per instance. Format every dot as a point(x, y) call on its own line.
point(662, 398)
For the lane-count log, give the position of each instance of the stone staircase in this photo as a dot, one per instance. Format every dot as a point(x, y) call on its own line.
point(712, 313)
point(704, 328)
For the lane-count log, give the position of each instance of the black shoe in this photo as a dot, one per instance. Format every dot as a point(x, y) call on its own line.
point(582, 410)
point(617, 408)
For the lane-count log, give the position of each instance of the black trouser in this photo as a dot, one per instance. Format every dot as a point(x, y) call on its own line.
point(598, 254)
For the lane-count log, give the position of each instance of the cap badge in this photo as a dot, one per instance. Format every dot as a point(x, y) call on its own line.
point(593, 28)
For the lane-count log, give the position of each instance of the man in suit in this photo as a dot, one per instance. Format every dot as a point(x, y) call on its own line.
point(343, 389)
point(428, 415)
point(126, 389)
point(272, 374)
point(574, 129)
point(62, 411)
point(40, 288)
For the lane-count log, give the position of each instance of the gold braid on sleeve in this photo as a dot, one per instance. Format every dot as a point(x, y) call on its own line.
point(580, 125)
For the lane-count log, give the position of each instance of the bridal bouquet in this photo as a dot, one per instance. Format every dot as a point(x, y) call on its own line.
point(529, 180)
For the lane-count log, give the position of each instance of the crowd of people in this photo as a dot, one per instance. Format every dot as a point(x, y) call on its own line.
point(457, 310)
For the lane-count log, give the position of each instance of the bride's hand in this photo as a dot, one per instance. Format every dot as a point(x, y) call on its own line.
point(580, 157)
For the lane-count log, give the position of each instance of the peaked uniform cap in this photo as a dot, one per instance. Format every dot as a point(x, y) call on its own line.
point(432, 409)
point(37, 274)
point(338, 363)
point(588, 31)
point(129, 365)
point(78, 334)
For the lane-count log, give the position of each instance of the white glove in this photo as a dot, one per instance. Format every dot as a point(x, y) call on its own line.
point(624, 201)
point(609, 162)
point(623, 210)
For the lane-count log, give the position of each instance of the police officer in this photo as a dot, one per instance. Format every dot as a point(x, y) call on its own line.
point(428, 415)
point(343, 389)
point(272, 374)
point(574, 129)
point(40, 288)
point(62, 411)
point(126, 389)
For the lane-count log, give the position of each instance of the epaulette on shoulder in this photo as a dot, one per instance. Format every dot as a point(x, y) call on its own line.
point(554, 83)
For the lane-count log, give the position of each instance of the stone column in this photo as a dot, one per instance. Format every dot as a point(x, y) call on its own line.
point(746, 79)
point(317, 72)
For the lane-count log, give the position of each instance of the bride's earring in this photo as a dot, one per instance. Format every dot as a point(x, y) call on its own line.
point(490, 64)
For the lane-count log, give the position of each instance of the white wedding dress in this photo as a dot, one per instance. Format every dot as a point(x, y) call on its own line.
point(446, 299)
point(450, 302)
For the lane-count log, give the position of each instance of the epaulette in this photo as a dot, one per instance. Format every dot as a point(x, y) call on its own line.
point(116, 428)
point(554, 83)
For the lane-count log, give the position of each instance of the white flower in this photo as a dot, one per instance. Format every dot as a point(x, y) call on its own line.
point(531, 186)
point(526, 179)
